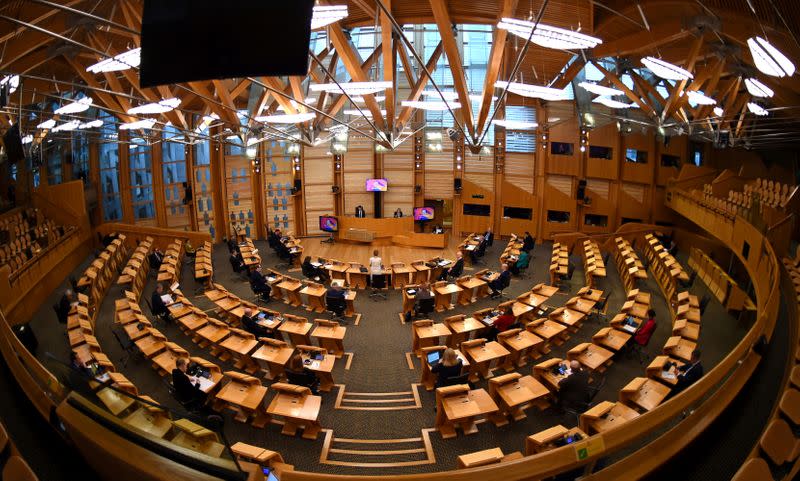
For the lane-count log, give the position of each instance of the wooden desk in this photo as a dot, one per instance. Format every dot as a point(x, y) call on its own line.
point(212, 334)
point(471, 290)
point(291, 288)
point(273, 356)
point(244, 398)
point(401, 276)
point(605, 416)
point(192, 322)
point(356, 278)
point(678, 347)
point(643, 393)
point(298, 407)
point(443, 296)
point(568, 317)
point(686, 329)
point(481, 355)
point(611, 338)
point(544, 440)
point(316, 297)
point(155, 423)
point(462, 329)
point(594, 357)
point(547, 372)
point(422, 273)
point(322, 368)
point(330, 336)
point(297, 330)
point(551, 331)
point(337, 271)
point(460, 406)
point(514, 393)
point(427, 334)
point(669, 377)
point(115, 401)
point(240, 344)
point(521, 345)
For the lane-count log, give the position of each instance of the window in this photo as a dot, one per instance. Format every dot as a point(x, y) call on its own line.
point(745, 250)
point(520, 140)
point(595, 220)
point(600, 152)
point(80, 156)
point(635, 156)
point(558, 216)
point(518, 213)
point(477, 209)
point(203, 202)
point(54, 155)
point(173, 164)
point(628, 220)
point(108, 151)
point(562, 148)
point(696, 153)
point(670, 161)
point(140, 161)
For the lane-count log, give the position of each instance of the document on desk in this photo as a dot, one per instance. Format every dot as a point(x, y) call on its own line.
point(174, 287)
point(316, 264)
point(314, 365)
point(470, 247)
point(668, 375)
point(166, 298)
point(629, 328)
point(205, 383)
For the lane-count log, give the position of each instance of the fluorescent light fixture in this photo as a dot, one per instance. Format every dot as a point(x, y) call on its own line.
point(47, 124)
point(139, 124)
point(447, 95)
point(75, 107)
point(548, 36)
point(599, 89)
point(666, 70)
point(769, 59)
point(479, 97)
point(757, 109)
point(367, 113)
point(433, 135)
point(12, 81)
point(326, 15)
point(360, 100)
point(352, 88)
point(27, 139)
point(515, 124)
point(166, 105)
point(123, 61)
point(91, 125)
point(287, 118)
point(613, 104)
point(718, 111)
point(430, 105)
point(757, 89)
point(700, 98)
point(67, 126)
point(532, 91)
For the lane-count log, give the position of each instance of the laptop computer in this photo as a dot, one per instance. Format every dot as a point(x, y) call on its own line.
point(433, 357)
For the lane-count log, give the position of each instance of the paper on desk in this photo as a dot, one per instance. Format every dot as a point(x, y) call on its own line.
point(205, 383)
point(166, 298)
point(668, 375)
point(315, 364)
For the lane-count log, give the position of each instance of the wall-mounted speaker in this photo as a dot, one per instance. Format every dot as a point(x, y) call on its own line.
point(417, 189)
point(298, 186)
point(581, 194)
point(457, 184)
point(335, 189)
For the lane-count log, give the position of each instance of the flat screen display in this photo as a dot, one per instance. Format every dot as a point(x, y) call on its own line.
point(377, 185)
point(328, 223)
point(423, 213)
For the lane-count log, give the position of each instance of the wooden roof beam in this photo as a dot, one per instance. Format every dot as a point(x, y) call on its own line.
point(445, 24)
point(416, 90)
point(614, 79)
point(494, 62)
point(641, 41)
point(389, 57)
point(110, 101)
point(339, 100)
point(674, 99)
point(408, 69)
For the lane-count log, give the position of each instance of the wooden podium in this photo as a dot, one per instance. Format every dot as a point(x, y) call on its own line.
point(390, 231)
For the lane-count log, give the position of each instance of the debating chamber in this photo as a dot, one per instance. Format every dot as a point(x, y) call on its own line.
point(402, 240)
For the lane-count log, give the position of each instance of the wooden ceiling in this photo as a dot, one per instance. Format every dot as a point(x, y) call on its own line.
point(45, 41)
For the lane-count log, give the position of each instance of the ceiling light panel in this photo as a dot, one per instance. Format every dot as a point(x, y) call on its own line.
point(769, 59)
point(666, 70)
point(548, 36)
point(123, 61)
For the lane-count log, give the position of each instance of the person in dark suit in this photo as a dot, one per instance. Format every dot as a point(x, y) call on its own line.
point(573, 391)
point(259, 283)
point(528, 242)
point(250, 325)
point(398, 213)
point(503, 280)
point(158, 304)
point(689, 373)
point(237, 263)
point(360, 212)
point(298, 374)
point(156, 258)
point(488, 236)
point(64, 306)
point(335, 291)
point(456, 269)
point(187, 389)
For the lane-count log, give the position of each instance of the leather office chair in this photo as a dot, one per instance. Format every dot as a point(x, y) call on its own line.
point(424, 307)
point(307, 379)
point(456, 380)
point(336, 306)
point(378, 282)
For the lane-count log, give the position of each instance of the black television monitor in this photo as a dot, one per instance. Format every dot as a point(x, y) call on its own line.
point(423, 213)
point(328, 223)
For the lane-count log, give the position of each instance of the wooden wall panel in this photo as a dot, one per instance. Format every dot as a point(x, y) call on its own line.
point(317, 182)
point(278, 178)
point(634, 201)
point(358, 165)
point(519, 171)
point(439, 173)
point(677, 146)
point(568, 132)
point(633, 172)
point(512, 195)
point(559, 195)
point(473, 193)
point(398, 168)
point(603, 203)
point(241, 209)
point(605, 136)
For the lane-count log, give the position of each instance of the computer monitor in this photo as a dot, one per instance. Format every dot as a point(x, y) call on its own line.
point(328, 223)
point(433, 357)
point(423, 213)
point(377, 185)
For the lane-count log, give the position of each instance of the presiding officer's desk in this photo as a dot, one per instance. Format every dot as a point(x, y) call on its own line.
point(387, 231)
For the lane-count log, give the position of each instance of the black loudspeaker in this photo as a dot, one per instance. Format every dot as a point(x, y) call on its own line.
point(247, 24)
point(335, 189)
point(4, 94)
point(298, 186)
point(581, 194)
point(13, 144)
point(187, 193)
point(457, 184)
point(417, 188)
point(378, 204)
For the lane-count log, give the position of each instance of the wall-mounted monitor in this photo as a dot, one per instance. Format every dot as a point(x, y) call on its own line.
point(423, 213)
point(328, 223)
point(518, 213)
point(377, 185)
point(477, 209)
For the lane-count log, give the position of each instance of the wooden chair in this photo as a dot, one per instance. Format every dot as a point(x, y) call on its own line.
point(17, 469)
point(778, 442)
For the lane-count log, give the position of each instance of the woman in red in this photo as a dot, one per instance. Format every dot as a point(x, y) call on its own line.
point(643, 335)
point(503, 322)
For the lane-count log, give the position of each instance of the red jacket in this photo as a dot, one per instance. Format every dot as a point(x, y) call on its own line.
point(643, 335)
point(503, 322)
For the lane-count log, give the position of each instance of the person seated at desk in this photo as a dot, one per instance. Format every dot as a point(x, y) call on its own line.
point(504, 322)
point(109, 238)
point(237, 263)
point(314, 272)
point(672, 248)
point(437, 229)
point(375, 265)
point(502, 281)
point(521, 263)
point(455, 270)
point(423, 293)
point(159, 307)
point(259, 284)
point(398, 213)
point(187, 389)
point(573, 391)
point(528, 242)
point(64, 306)
point(688, 374)
point(232, 244)
point(643, 335)
point(449, 367)
point(272, 238)
point(299, 375)
point(335, 291)
point(250, 325)
point(360, 212)
point(189, 249)
point(488, 236)
point(156, 258)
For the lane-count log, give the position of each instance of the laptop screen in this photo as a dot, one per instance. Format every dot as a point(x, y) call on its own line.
point(433, 357)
